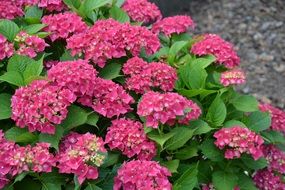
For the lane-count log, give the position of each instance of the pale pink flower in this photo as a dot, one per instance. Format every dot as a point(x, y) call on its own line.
point(232, 77)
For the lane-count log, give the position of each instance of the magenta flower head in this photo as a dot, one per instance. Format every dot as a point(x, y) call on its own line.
point(275, 157)
point(238, 140)
point(167, 108)
point(63, 25)
point(173, 25)
point(81, 154)
point(108, 98)
point(145, 76)
point(142, 11)
point(6, 48)
point(10, 9)
point(232, 77)
point(266, 179)
point(128, 136)
point(40, 106)
point(52, 5)
point(221, 49)
point(77, 76)
point(143, 175)
point(277, 117)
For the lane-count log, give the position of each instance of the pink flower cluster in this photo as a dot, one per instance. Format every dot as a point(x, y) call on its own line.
point(63, 25)
point(173, 25)
point(238, 140)
point(81, 154)
point(167, 108)
point(232, 77)
point(29, 45)
point(210, 186)
point(221, 49)
point(40, 106)
point(142, 11)
point(277, 117)
point(50, 63)
point(108, 98)
point(10, 9)
point(147, 76)
point(128, 136)
point(78, 76)
point(6, 48)
point(143, 175)
point(52, 5)
point(275, 158)
point(108, 39)
point(15, 159)
point(267, 180)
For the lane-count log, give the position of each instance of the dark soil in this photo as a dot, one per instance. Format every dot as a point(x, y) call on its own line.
point(257, 30)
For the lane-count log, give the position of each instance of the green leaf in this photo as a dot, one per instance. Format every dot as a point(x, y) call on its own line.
point(201, 127)
point(187, 152)
point(112, 158)
point(92, 119)
point(224, 181)
point(172, 165)
point(111, 71)
point(73, 4)
point(188, 180)
point(204, 62)
point(13, 77)
point(211, 151)
point(53, 177)
point(20, 135)
point(5, 106)
point(232, 123)
point(160, 138)
point(259, 121)
point(274, 137)
point(34, 28)
point(34, 12)
point(119, 14)
point(76, 183)
point(245, 103)
point(76, 117)
point(245, 182)
point(217, 112)
point(91, 186)
point(180, 138)
point(18, 63)
point(51, 186)
point(119, 3)
point(33, 69)
point(66, 56)
point(9, 29)
point(89, 5)
point(174, 49)
point(196, 92)
point(254, 164)
point(52, 139)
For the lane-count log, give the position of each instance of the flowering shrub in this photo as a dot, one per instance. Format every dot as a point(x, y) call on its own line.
point(108, 94)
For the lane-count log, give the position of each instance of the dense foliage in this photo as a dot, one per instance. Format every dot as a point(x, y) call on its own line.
point(108, 94)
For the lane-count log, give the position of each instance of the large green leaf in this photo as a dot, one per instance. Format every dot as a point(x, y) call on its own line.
point(89, 5)
point(187, 152)
point(274, 137)
point(254, 164)
point(172, 165)
point(33, 28)
point(217, 112)
point(5, 106)
point(34, 69)
point(76, 117)
point(245, 182)
point(13, 77)
point(245, 103)
point(160, 138)
point(92, 119)
point(224, 181)
point(201, 127)
point(211, 151)
point(174, 49)
point(52, 139)
point(259, 121)
point(119, 14)
point(188, 180)
point(111, 71)
point(232, 123)
point(18, 63)
point(204, 62)
point(180, 138)
point(9, 29)
point(91, 186)
point(20, 135)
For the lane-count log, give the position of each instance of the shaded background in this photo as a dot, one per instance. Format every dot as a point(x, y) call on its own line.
point(257, 30)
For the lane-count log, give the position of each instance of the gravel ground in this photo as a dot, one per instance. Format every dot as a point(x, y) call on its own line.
point(255, 27)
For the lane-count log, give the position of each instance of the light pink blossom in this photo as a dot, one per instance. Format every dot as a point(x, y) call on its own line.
point(232, 77)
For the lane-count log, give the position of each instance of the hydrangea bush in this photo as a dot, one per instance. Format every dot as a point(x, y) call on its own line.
point(108, 94)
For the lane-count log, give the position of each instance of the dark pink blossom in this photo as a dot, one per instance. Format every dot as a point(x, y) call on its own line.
point(167, 108)
point(10, 10)
point(232, 77)
point(173, 25)
point(142, 11)
point(81, 154)
point(40, 106)
point(267, 180)
point(50, 63)
point(128, 136)
point(143, 175)
point(238, 140)
point(221, 49)
point(52, 5)
point(6, 48)
point(275, 158)
point(210, 186)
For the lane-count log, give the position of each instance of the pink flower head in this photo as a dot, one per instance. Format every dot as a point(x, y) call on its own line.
point(78, 76)
point(109, 99)
point(40, 106)
point(108, 39)
point(275, 158)
point(221, 49)
point(29, 45)
point(277, 117)
point(173, 25)
point(52, 5)
point(238, 140)
point(63, 25)
point(143, 175)
point(128, 136)
point(6, 48)
point(232, 77)
point(49, 64)
point(142, 11)
point(267, 180)
point(10, 10)
point(81, 155)
point(144, 76)
point(210, 186)
point(167, 108)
